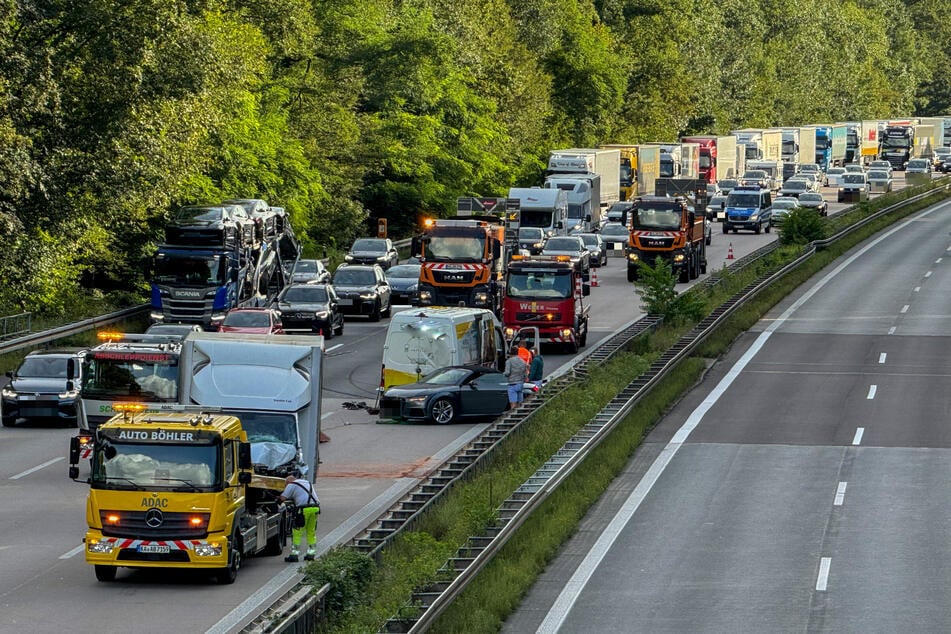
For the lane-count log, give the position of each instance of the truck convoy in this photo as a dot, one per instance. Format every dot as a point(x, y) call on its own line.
point(760, 144)
point(177, 490)
point(798, 147)
point(590, 165)
point(546, 209)
point(276, 376)
point(547, 293)
point(666, 227)
point(463, 259)
point(898, 143)
point(627, 174)
point(830, 145)
point(717, 158)
point(216, 258)
point(679, 160)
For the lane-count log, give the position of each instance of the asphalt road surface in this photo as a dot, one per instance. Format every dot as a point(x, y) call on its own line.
point(802, 486)
point(45, 585)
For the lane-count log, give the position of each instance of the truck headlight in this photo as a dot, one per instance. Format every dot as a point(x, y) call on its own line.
point(425, 296)
point(754, 217)
point(157, 317)
point(208, 550)
point(100, 547)
point(679, 258)
point(481, 297)
point(633, 257)
point(566, 333)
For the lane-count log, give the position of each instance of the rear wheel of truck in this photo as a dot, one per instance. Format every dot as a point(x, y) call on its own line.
point(769, 225)
point(106, 573)
point(9, 421)
point(339, 329)
point(584, 338)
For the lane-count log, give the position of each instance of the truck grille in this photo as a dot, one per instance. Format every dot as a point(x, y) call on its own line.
point(656, 243)
point(139, 525)
point(186, 310)
point(555, 317)
point(453, 276)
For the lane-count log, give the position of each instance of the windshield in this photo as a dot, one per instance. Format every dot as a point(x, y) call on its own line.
point(877, 176)
point(173, 268)
point(306, 266)
point(755, 174)
point(896, 143)
point(354, 277)
point(705, 162)
point(447, 376)
point(626, 174)
point(539, 284)
point(836, 171)
point(809, 168)
point(117, 376)
point(574, 211)
point(810, 198)
point(917, 164)
point(794, 185)
point(742, 200)
point(151, 466)
point(306, 294)
point(43, 367)
point(404, 271)
point(468, 248)
point(268, 427)
point(419, 346)
point(666, 166)
point(853, 178)
point(562, 244)
point(790, 147)
point(198, 214)
point(247, 319)
point(369, 245)
point(752, 152)
point(614, 230)
point(784, 204)
point(536, 218)
point(728, 183)
point(589, 239)
point(661, 219)
point(530, 234)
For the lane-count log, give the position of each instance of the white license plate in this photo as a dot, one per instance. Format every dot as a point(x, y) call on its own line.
point(154, 549)
point(345, 302)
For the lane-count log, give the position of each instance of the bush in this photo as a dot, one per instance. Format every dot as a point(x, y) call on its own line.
point(802, 226)
point(347, 571)
point(657, 287)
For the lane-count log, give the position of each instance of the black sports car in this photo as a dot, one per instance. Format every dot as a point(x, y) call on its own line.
point(448, 394)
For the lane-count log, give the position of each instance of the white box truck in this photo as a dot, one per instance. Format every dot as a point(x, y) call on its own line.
point(605, 162)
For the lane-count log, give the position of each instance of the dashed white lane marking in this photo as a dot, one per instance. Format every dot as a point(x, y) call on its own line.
point(928, 274)
point(892, 330)
point(871, 392)
point(326, 414)
point(73, 552)
point(840, 494)
point(917, 289)
point(881, 357)
point(822, 582)
point(331, 349)
point(904, 309)
point(938, 261)
point(857, 439)
point(36, 468)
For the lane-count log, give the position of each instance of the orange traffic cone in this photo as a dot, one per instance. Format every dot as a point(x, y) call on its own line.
point(729, 253)
point(594, 277)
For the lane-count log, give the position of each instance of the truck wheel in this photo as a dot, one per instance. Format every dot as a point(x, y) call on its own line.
point(275, 545)
point(631, 273)
point(9, 421)
point(685, 271)
point(375, 313)
point(443, 411)
point(703, 265)
point(584, 338)
point(226, 576)
point(106, 573)
point(726, 228)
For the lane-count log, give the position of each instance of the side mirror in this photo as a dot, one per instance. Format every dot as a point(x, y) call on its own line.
point(71, 369)
point(73, 473)
point(244, 455)
point(416, 247)
point(9, 373)
point(587, 218)
point(73, 453)
point(244, 477)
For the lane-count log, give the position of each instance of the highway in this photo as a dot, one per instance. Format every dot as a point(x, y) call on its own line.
point(800, 486)
point(46, 585)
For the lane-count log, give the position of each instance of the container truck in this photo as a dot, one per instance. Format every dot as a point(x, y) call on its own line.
point(717, 156)
point(807, 145)
point(935, 138)
point(761, 144)
point(791, 152)
point(606, 163)
point(853, 141)
point(648, 169)
point(898, 143)
point(830, 145)
point(679, 160)
point(870, 141)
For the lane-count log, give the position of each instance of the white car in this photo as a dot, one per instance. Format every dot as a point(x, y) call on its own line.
point(880, 165)
point(834, 176)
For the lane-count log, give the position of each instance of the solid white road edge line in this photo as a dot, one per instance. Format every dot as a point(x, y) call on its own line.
point(566, 599)
point(881, 357)
point(822, 582)
point(36, 468)
point(871, 392)
point(840, 494)
point(892, 330)
point(857, 439)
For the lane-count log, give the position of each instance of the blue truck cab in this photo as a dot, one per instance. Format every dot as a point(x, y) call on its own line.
point(748, 208)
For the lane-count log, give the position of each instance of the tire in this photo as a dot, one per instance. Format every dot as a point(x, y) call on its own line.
point(227, 575)
point(709, 238)
point(375, 314)
point(442, 411)
point(8, 421)
point(275, 545)
point(106, 574)
point(759, 228)
point(769, 225)
point(584, 338)
point(631, 273)
point(389, 310)
point(726, 228)
point(339, 330)
point(328, 332)
point(685, 271)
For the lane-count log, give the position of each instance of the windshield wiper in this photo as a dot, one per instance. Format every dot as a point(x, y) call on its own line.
point(132, 482)
point(187, 483)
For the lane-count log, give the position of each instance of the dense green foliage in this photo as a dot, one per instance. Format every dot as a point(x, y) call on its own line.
point(802, 226)
point(656, 284)
point(111, 114)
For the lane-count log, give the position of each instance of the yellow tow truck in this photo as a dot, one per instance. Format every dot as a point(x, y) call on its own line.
point(176, 490)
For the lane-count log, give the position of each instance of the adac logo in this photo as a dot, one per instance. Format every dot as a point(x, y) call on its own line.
point(155, 502)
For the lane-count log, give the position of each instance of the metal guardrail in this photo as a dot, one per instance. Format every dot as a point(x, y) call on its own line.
point(46, 336)
point(18, 324)
point(302, 611)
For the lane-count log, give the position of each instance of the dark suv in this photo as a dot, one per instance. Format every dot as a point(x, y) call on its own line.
point(373, 251)
point(312, 306)
point(362, 290)
point(45, 385)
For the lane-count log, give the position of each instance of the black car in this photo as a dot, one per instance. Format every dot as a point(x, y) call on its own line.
point(448, 394)
point(362, 290)
point(373, 251)
point(310, 271)
point(596, 247)
point(43, 388)
point(531, 239)
point(312, 306)
point(404, 282)
point(213, 225)
point(267, 220)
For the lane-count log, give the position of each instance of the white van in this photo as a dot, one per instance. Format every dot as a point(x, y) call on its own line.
point(421, 341)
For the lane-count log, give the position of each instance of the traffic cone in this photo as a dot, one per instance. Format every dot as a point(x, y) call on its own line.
point(594, 277)
point(729, 253)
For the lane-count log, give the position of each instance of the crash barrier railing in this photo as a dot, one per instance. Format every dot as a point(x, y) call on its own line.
point(47, 336)
point(13, 325)
point(427, 604)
